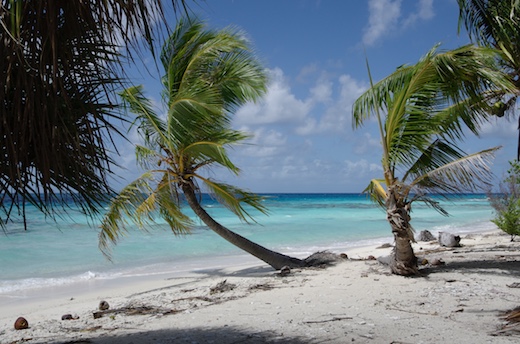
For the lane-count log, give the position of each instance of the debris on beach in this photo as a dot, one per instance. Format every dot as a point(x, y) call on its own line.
point(385, 245)
point(222, 287)
point(425, 235)
point(69, 317)
point(21, 324)
point(284, 271)
point(323, 259)
point(103, 306)
point(135, 310)
point(437, 262)
point(512, 326)
point(449, 240)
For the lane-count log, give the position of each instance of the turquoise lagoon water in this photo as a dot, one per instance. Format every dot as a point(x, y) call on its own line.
point(53, 254)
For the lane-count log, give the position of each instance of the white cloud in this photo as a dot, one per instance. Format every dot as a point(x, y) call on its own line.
point(279, 105)
point(501, 127)
point(368, 144)
point(424, 12)
point(383, 17)
point(265, 143)
point(361, 168)
point(322, 91)
point(337, 115)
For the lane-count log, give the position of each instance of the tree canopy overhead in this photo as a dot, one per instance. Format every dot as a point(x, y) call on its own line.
point(61, 63)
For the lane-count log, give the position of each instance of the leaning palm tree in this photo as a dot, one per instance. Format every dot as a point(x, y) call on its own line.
point(428, 106)
point(494, 23)
point(60, 67)
point(208, 75)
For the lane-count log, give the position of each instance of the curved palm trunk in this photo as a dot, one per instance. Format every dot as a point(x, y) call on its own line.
point(274, 259)
point(404, 261)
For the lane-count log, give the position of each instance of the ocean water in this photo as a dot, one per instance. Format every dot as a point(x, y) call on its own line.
point(56, 254)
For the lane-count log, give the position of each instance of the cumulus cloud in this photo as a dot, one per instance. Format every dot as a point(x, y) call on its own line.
point(279, 105)
point(336, 116)
point(424, 12)
point(385, 16)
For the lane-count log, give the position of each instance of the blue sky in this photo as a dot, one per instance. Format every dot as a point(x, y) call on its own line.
point(314, 50)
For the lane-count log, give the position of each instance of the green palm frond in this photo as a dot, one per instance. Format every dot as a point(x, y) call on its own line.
point(210, 152)
point(438, 154)
point(467, 173)
point(169, 205)
point(140, 202)
point(150, 125)
point(234, 199)
point(122, 209)
point(147, 158)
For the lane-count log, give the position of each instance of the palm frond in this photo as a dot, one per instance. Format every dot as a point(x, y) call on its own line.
point(169, 206)
point(467, 173)
point(122, 209)
point(376, 192)
point(234, 198)
point(147, 158)
point(150, 125)
point(438, 154)
point(61, 67)
point(430, 202)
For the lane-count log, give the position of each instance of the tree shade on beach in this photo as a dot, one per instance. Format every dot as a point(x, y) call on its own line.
point(60, 68)
point(429, 105)
point(495, 23)
point(208, 75)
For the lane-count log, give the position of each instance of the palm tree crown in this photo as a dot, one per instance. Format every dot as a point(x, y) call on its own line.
point(208, 74)
point(494, 23)
point(428, 106)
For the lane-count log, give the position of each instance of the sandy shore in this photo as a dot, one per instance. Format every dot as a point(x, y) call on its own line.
point(354, 301)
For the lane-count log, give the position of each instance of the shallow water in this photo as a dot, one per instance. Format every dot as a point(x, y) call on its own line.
point(54, 254)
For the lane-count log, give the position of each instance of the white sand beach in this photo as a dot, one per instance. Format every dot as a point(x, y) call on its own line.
point(354, 301)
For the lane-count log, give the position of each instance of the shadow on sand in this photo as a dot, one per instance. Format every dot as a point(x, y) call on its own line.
point(225, 335)
point(483, 267)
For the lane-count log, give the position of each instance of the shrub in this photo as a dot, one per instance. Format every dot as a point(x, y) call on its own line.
point(506, 203)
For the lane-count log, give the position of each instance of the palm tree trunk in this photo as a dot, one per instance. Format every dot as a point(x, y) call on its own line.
point(274, 259)
point(404, 261)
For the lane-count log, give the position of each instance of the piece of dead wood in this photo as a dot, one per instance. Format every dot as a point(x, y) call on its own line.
point(513, 285)
point(264, 286)
point(408, 311)
point(222, 287)
point(202, 298)
point(507, 330)
point(140, 310)
point(326, 320)
point(512, 315)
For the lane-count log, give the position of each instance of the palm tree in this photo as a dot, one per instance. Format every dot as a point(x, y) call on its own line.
point(428, 105)
point(60, 66)
point(494, 23)
point(208, 75)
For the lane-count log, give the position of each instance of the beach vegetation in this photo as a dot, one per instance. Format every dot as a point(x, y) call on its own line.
point(61, 65)
point(506, 202)
point(495, 23)
point(423, 111)
point(208, 74)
